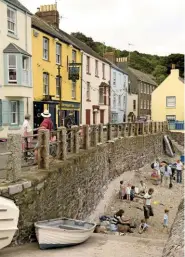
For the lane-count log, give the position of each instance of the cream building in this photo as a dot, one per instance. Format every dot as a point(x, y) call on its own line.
point(16, 92)
point(168, 99)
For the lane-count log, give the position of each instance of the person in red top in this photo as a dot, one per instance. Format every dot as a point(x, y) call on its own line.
point(46, 124)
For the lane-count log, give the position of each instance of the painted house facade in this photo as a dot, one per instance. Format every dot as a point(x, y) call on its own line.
point(168, 99)
point(119, 94)
point(54, 51)
point(96, 74)
point(16, 91)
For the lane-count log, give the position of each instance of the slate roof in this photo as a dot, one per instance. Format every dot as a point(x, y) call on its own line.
point(43, 26)
point(13, 48)
point(17, 4)
point(143, 76)
point(85, 47)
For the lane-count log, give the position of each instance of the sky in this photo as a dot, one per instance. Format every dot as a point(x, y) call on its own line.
point(151, 26)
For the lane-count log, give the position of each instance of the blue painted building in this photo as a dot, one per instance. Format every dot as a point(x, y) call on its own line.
point(119, 94)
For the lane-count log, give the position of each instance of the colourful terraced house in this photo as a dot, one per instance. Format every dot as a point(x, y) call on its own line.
point(54, 52)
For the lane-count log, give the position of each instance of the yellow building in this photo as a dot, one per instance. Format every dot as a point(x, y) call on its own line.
point(52, 49)
point(168, 99)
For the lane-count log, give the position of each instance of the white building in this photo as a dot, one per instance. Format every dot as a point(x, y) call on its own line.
point(95, 106)
point(16, 92)
point(119, 94)
point(132, 107)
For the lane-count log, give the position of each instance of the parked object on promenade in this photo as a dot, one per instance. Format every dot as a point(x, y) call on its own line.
point(62, 232)
point(9, 215)
point(168, 147)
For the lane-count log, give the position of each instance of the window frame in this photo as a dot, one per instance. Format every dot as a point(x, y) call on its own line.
point(171, 116)
point(167, 105)
point(47, 50)
point(58, 54)
point(12, 32)
point(134, 105)
point(119, 101)
point(73, 89)
point(88, 64)
point(44, 85)
point(88, 91)
point(114, 78)
point(103, 70)
point(12, 68)
point(141, 104)
point(96, 68)
point(58, 86)
point(101, 89)
point(16, 112)
point(73, 59)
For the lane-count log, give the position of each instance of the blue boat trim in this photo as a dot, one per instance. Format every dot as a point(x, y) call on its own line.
point(54, 246)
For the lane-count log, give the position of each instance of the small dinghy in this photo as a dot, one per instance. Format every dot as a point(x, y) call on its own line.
point(9, 215)
point(62, 232)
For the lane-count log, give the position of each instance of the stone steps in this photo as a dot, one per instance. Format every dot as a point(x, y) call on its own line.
point(180, 148)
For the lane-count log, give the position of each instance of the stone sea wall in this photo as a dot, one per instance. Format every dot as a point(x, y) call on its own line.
point(74, 187)
point(175, 244)
point(178, 137)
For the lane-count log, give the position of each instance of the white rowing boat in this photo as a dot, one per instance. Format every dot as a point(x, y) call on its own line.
point(9, 215)
point(62, 232)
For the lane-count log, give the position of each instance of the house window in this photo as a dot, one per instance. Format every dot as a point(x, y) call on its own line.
point(134, 105)
point(96, 68)
point(144, 104)
point(12, 69)
point(114, 117)
point(103, 70)
point(151, 89)
point(88, 65)
point(144, 88)
point(114, 78)
point(88, 92)
point(171, 101)
point(147, 89)
point(45, 84)
point(74, 56)
point(170, 117)
point(101, 95)
point(114, 100)
point(58, 54)
point(25, 66)
point(141, 104)
point(119, 100)
point(141, 85)
point(148, 104)
point(45, 48)
point(14, 112)
point(58, 85)
point(11, 18)
point(73, 90)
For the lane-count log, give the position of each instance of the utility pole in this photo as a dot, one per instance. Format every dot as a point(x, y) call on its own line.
point(60, 95)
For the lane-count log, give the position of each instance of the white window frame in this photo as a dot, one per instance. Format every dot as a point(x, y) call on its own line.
point(16, 113)
point(119, 100)
point(88, 64)
point(148, 104)
point(101, 95)
point(14, 22)
point(45, 49)
point(134, 101)
point(141, 104)
point(45, 85)
point(74, 56)
point(168, 119)
point(73, 90)
point(88, 91)
point(26, 69)
point(96, 68)
point(58, 53)
point(12, 68)
point(173, 103)
point(58, 86)
point(114, 100)
point(141, 85)
point(114, 78)
point(144, 91)
point(144, 104)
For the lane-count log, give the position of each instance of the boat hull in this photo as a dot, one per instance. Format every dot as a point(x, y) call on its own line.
point(50, 237)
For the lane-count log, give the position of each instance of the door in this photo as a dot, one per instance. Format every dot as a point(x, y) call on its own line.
point(88, 117)
point(102, 116)
point(38, 108)
point(52, 110)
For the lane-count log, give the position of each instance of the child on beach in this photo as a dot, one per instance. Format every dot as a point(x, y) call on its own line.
point(128, 189)
point(165, 220)
point(122, 190)
point(143, 227)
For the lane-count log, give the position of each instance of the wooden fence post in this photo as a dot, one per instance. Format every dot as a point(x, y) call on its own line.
point(86, 137)
point(62, 143)
point(43, 149)
point(14, 159)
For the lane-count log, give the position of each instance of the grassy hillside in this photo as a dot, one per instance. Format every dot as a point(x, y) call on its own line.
point(158, 66)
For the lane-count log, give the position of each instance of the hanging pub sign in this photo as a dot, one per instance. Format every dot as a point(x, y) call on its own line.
point(74, 73)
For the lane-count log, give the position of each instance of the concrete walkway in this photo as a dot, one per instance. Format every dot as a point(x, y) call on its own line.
point(97, 246)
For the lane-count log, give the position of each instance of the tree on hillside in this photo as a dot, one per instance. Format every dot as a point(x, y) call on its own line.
point(160, 73)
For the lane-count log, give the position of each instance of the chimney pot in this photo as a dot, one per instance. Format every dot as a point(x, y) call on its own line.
point(173, 66)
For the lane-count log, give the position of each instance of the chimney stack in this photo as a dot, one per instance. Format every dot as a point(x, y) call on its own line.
point(173, 66)
point(49, 14)
point(110, 56)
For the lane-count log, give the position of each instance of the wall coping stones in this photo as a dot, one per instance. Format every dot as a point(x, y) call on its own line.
point(14, 189)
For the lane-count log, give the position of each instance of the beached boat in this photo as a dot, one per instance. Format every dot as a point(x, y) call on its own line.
point(168, 146)
point(62, 232)
point(9, 215)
